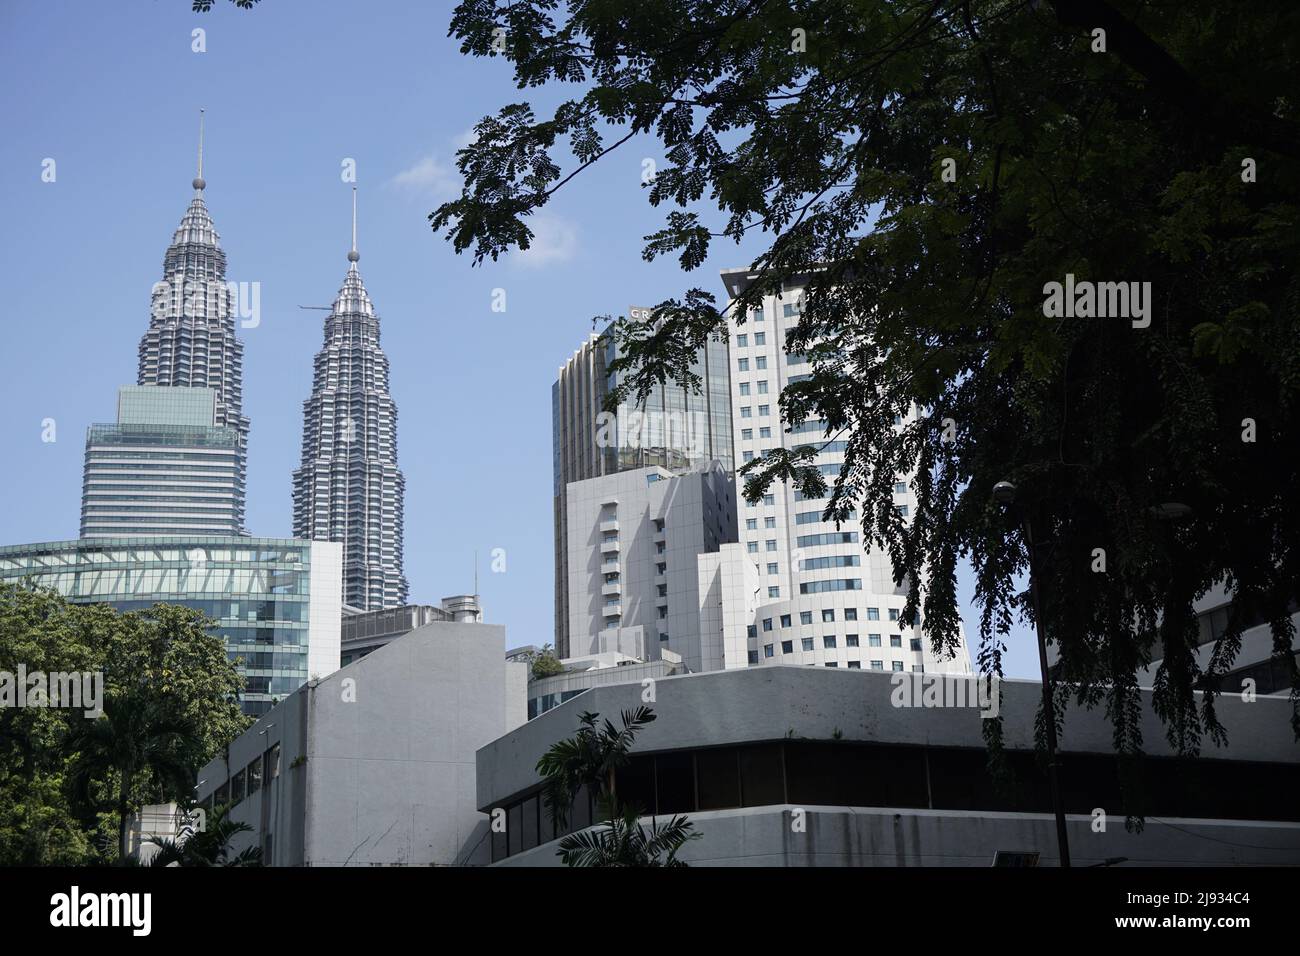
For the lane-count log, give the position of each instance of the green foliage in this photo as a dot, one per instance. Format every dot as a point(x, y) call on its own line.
point(169, 706)
point(925, 292)
point(591, 759)
point(543, 663)
point(209, 846)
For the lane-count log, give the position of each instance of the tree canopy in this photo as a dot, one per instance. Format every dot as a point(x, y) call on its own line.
point(69, 780)
point(925, 170)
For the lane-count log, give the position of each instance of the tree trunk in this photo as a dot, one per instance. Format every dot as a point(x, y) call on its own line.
point(123, 811)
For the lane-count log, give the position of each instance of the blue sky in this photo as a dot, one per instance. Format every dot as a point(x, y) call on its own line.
point(111, 92)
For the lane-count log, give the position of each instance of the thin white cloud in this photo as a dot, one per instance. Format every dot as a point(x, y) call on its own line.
point(555, 239)
point(429, 177)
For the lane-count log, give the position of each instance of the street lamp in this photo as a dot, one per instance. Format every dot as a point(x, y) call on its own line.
point(1004, 493)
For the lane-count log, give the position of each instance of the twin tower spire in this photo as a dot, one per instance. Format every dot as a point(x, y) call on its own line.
point(348, 487)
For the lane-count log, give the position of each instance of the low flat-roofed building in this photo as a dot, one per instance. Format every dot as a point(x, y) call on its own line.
point(814, 766)
point(374, 765)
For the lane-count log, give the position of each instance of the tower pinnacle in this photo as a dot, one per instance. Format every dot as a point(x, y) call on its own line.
point(354, 256)
point(199, 183)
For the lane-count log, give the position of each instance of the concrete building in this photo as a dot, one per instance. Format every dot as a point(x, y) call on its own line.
point(633, 539)
point(374, 764)
point(191, 341)
point(677, 429)
point(595, 670)
point(1255, 661)
point(165, 468)
point(275, 601)
point(808, 766)
point(348, 487)
point(820, 591)
point(365, 631)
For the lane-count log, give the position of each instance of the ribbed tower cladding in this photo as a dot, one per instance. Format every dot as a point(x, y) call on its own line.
point(191, 338)
point(349, 487)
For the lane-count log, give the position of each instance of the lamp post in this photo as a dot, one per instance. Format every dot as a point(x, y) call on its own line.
point(1004, 493)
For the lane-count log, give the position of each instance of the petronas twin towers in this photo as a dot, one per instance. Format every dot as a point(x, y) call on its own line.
point(348, 487)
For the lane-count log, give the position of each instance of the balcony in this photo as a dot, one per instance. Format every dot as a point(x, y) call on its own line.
point(613, 589)
point(609, 547)
point(613, 610)
point(609, 526)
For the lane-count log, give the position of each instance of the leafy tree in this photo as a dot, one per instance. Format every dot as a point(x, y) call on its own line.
point(925, 168)
point(543, 663)
point(169, 705)
point(209, 846)
point(591, 759)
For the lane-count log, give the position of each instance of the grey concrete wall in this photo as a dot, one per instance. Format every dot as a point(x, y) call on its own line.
point(844, 836)
point(377, 760)
point(771, 703)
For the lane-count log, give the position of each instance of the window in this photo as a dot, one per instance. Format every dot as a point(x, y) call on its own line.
point(769, 522)
point(743, 364)
point(771, 544)
point(747, 434)
point(828, 614)
point(787, 647)
point(751, 547)
point(753, 657)
point(751, 524)
point(767, 624)
point(663, 613)
point(746, 411)
point(765, 432)
point(769, 499)
point(787, 311)
point(895, 640)
point(851, 613)
point(774, 592)
point(752, 631)
point(762, 387)
point(661, 567)
point(756, 315)
point(855, 665)
point(742, 341)
point(772, 568)
point(767, 650)
point(760, 363)
point(663, 590)
point(832, 663)
point(237, 788)
point(873, 640)
point(829, 537)
point(823, 587)
point(873, 614)
point(272, 762)
point(915, 643)
point(744, 388)
point(255, 776)
point(850, 640)
point(805, 617)
point(785, 620)
point(900, 487)
point(901, 509)
point(764, 411)
point(828, 641)
point(807, 643)
point(898, 665)
point(760, 338)
point(893, 614)
point(748, 456)
point(877, 665)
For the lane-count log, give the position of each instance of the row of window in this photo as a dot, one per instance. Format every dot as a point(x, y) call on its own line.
point(828, 617)
point(246, 781)
point(831, 642)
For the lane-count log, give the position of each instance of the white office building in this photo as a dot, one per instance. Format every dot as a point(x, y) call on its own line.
point(634, 543)
point(814, 593)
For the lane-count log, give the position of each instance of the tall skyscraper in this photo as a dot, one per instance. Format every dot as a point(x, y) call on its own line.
point(677, 429)
point(165, 468)
point(814, 593)
point(191, 337)
point(348, 487)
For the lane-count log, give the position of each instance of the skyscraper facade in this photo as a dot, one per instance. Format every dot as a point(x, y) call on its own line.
point(348, 487)
point(165, 468)
point(191, 338)
point(677, 429)
point(819, 593)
